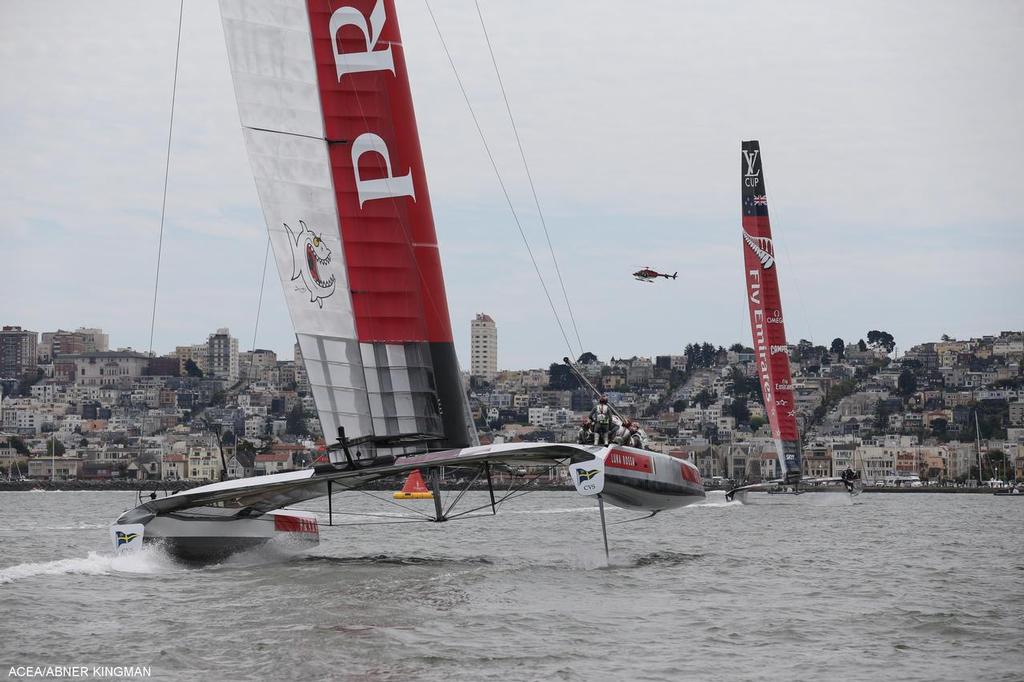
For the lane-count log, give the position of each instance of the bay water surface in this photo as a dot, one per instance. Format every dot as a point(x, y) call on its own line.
point(896, 586)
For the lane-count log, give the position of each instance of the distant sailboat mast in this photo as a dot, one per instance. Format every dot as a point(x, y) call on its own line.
point(766, 323)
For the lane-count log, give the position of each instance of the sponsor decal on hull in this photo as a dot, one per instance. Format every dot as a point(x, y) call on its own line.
point(619, 459)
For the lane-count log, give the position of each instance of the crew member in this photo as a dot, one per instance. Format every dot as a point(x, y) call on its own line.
point(585, 436)
point(601, 417)
point(631, 435)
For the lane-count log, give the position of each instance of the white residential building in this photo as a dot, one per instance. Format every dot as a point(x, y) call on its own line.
point(222, 355)
point(483, 347)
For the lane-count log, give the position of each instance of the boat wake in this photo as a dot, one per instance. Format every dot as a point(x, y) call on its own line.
point(716, 498)
point(151, 560)
point(391, 560)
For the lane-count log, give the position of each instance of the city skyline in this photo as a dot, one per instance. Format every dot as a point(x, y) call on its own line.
point(634, 154)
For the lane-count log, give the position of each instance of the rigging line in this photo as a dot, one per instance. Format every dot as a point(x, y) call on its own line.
point(529, 175)
point(259, 306)
point(497, 173)
point(167, 171)
point(400, 506)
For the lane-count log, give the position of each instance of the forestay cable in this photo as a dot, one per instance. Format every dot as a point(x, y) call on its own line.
point(529, 176)
point(497, 173)
point(167, 170)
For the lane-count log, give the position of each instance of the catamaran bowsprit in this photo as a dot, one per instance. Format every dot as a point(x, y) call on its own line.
point(771, 353)
point(327, 116)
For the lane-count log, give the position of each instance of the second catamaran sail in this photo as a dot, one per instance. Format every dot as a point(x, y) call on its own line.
point(327, 116)
point(762, 284)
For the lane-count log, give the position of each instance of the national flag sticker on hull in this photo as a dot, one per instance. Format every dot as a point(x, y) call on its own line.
point(588, 477)
point(127, 537)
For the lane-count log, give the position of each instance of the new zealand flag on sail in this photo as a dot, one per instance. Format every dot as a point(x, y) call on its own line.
point(755, 199)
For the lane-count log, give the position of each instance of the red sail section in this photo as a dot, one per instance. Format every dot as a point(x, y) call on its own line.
point(769, 332)
point(387, 229)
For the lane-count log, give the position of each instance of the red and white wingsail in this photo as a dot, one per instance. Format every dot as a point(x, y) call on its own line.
point(762, 283)
point(327, 116)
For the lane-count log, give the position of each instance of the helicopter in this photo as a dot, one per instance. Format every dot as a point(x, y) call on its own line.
point(648, 275)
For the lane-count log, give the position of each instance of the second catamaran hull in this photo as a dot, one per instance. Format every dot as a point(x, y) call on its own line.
point(208, 534)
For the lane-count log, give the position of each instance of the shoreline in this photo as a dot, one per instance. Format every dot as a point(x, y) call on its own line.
point(395, 484)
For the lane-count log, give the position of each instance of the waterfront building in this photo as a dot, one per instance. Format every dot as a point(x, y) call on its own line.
point(18, 351)
point(222, 355)
point(483, 347)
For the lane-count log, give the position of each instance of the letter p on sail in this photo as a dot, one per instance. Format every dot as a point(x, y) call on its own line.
point(588, 477)
point(389, 186)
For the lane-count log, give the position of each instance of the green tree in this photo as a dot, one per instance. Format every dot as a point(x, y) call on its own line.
point(882, 413)
point(705, 398)
point(192, 369)
point(861, 346)
point(561, 377)
point(739, 411)
point(880, 339)
point(586, 358)
point(907, 383)
point(54, 448)
point(295, 422)
point(756, 423)
point(18, 445)
point(679, 405)
point(737, 348)
point(838, 347)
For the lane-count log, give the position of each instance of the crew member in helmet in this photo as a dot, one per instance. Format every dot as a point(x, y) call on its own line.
point(629, 435)
point(585, 436)
point(601, 417)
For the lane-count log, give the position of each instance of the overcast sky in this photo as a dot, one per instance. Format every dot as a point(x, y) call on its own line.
point(891, 132)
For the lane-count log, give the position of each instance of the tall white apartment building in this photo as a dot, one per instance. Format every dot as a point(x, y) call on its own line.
point(222, 355)
point(483, 347)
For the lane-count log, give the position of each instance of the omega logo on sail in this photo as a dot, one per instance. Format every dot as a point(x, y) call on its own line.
point(371, 59)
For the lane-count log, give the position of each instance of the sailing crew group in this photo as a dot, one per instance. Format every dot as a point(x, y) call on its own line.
point(603, 428)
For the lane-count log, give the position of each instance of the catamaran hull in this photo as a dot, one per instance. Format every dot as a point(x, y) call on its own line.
point(210, 534)
point(642, 480)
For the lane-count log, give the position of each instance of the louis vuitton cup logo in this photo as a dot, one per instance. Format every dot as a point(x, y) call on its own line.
point(751, 178)
point(311, 263)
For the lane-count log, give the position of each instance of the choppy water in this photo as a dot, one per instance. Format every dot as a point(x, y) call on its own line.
point(909, 587)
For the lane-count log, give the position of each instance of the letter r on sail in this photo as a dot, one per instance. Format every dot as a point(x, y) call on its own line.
point(370, 59)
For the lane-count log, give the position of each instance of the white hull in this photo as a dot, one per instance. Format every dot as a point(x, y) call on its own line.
point(213, 533)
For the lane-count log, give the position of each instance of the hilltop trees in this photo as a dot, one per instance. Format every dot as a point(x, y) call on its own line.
point(879, 339)
point(838, 347)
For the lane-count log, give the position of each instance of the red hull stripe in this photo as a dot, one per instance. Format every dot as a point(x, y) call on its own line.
point(295, 524)
point(690, 474)
point(618, 459)
point(387, 228)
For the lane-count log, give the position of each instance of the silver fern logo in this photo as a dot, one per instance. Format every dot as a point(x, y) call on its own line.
point(762, 248)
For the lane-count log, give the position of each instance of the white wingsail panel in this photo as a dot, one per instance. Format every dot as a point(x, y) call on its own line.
point(324, 103)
